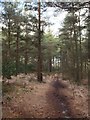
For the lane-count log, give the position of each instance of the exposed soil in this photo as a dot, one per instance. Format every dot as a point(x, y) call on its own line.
point(54, 98)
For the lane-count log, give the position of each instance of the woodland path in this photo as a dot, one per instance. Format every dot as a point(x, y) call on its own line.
point(52, 99)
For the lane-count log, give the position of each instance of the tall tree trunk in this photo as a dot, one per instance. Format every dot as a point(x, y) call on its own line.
point(39, 72)
point(9, 37)
point(85, 66)
point(80, 42)
point(26, 58)
point(8, 54)
point(89, 46)
point(17, 51)
point(76, 48)
point(26, 51)
point(53, 63)
point(58, 64)
point(73, 72)
point(50, 64)
point(89, 32)
point(62, 64)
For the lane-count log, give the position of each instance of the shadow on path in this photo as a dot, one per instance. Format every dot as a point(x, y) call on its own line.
point(58, 100)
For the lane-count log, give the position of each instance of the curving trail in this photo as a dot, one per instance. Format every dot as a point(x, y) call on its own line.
point(52, 99)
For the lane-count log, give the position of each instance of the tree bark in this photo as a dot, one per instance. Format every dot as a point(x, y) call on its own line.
point(76, 48)
point(80, 43)
point(9, 37)
point(17, 51)
point(26, 58)
point(53, 63)
point(39, 72)
point(50, 64)
point(89, 47)
point(26, 51)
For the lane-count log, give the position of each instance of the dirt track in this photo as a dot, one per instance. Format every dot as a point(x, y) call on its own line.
point(58, 100)
point(46, 100)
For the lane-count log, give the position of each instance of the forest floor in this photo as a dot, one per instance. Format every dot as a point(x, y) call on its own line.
point(24, 97)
